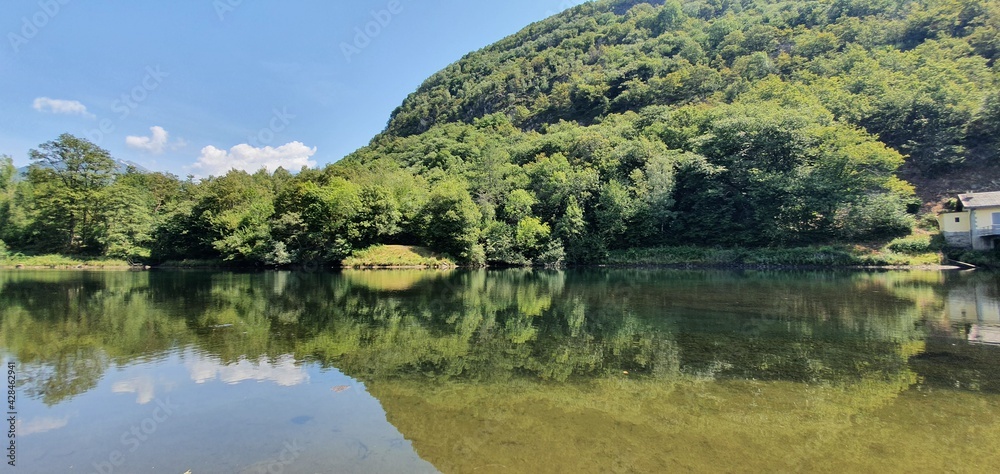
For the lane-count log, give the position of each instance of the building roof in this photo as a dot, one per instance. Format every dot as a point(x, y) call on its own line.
point(979, 200)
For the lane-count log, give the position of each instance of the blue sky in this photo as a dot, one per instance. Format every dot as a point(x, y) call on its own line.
point(200, 86)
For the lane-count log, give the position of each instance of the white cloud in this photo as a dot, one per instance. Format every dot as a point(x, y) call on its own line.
point(156, 143)
point(40, 425)
point(62, 107)
point(143, 387)
point(290, 156)
point(283, 372)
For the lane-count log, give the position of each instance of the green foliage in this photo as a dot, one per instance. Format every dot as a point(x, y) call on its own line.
point(877, 216)
point(572, 229)
point(377, 218)
point(915, 73)
point(7, 172)
point(519, 204)
point(499, 244)
point(914, 245)
point(7, 197)
point(278, 255)
point(617, 124)
point(532, 237)
point(451, 221)
point(612, 214)
point(68, 179)
point(988, 259)
point(824, 256)
point(928, 222)
point(128, 221)
point(235, 210)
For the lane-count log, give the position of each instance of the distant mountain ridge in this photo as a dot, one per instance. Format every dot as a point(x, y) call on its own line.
point(123, 166)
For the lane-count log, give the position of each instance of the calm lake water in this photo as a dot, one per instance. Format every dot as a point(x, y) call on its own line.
point(504, 371)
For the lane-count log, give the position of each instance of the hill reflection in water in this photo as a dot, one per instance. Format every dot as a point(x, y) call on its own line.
point(593, 370)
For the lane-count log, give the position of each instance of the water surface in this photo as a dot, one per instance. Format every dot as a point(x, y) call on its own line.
point(504, 371)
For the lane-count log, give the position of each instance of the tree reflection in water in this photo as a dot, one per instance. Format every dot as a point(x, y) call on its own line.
point(479, 365)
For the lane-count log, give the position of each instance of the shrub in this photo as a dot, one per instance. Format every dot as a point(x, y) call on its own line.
point(875, 217)
point(929, 222)
point(450, 221)
point(554, 254)
point(913, 245)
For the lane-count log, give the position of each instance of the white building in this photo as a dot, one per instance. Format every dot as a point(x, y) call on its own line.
point(976, 222)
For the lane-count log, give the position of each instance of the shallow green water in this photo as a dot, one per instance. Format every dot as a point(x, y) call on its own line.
point(504, 371)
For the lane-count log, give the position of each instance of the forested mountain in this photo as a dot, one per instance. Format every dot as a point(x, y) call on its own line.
point(918, 74)
point(615, 124)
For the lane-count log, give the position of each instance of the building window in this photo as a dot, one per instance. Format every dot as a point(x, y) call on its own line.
point(958, 219)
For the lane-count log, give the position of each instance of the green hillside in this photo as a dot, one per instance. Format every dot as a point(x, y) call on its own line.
point(918, 74)
point(614, 125)
point(719, 123)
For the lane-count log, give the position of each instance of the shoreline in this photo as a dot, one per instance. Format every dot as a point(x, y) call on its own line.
point(75, 267)
point(401, 257)
point(686, 266)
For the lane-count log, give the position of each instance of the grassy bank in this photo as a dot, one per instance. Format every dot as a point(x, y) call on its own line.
point(900, 253)
point(397, 256)
point(58, 262)
point(825, 256)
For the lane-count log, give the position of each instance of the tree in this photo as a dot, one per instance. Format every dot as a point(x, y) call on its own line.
point(670, 16)
point(532, 237)
point(69, 175)
point(7, 173)
point(660, 177)
point(572, 230)
point(518, 205)
point(614, 210)
point(377, 217)
point(451, 220)
point(235, 209)
point(127, 221)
